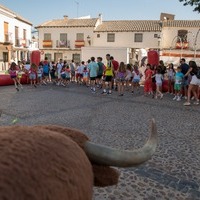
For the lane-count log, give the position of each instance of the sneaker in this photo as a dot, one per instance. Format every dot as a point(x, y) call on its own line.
point(63, 84)
point(178, 99)
point(196, 103)
point(17, 89)
point(161, 96)
point(109, 93)
point(192, 98)
point(175, 98)
point(187, 103)
point(103, 92)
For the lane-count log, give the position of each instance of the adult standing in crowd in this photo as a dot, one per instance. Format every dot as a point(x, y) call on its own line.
point(93, 69)
point(194, 83)
point(184, 69)
point(100, 71)
point(108, 75)
point(59, 68)
point(72, 70)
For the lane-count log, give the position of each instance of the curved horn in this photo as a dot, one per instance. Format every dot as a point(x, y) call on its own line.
point(104, 155)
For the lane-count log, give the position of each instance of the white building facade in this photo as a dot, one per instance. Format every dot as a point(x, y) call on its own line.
point(64, 38)
point(15, 37)
point(79, 39)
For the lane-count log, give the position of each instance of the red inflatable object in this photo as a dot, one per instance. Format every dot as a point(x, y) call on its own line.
point(153, 57)
point(35, 57)
point(6, 80)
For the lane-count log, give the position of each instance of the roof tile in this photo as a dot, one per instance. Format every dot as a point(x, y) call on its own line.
point(69, 23)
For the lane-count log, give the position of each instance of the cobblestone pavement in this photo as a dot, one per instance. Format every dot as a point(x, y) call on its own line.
point(120, 122)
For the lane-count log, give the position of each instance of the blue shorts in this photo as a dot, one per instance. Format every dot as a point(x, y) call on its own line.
point(45, 74)
point(32, 76)
point(136, 80)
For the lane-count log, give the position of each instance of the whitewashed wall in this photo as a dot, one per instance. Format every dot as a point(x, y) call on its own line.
point(71, 35)
point(126, 39)
point(169, 37)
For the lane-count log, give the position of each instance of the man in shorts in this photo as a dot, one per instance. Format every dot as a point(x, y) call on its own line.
point(108, 75)
point(93, 69)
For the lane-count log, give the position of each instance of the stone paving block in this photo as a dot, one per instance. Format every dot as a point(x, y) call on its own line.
point(173, 171)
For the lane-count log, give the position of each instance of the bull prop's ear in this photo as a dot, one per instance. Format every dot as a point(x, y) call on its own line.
point(104, 176)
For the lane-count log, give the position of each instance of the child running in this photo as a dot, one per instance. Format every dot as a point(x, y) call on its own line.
point(13, 75)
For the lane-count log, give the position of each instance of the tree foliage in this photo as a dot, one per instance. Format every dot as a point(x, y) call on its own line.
point(195, 3)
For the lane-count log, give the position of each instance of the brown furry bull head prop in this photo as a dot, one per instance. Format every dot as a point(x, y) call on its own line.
point(59, 163)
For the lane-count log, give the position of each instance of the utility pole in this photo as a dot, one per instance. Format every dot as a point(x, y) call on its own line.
point(77, 4)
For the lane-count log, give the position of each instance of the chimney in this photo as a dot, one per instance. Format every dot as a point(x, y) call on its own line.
point(100, 18)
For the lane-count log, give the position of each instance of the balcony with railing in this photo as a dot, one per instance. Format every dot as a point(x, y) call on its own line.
point(7, 38)
point(63, 44)
point(47, 44)
point(79, 43)
point(17, 42)
point(24, 43)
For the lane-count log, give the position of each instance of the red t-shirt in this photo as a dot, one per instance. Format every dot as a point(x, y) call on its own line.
point(115, 65)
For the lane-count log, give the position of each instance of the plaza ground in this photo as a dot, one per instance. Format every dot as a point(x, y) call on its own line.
point(123, 123)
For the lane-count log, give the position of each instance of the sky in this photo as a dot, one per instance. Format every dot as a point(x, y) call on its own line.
point(39, 11)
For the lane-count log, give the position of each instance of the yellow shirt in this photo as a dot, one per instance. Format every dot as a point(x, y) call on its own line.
point(109, 69)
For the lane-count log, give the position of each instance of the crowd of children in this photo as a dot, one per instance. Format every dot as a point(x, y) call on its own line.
point(182, 82)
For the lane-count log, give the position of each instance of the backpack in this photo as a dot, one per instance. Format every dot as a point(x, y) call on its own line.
point(198, 73)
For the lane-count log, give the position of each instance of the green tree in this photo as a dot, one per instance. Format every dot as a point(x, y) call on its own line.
point(195, 3)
